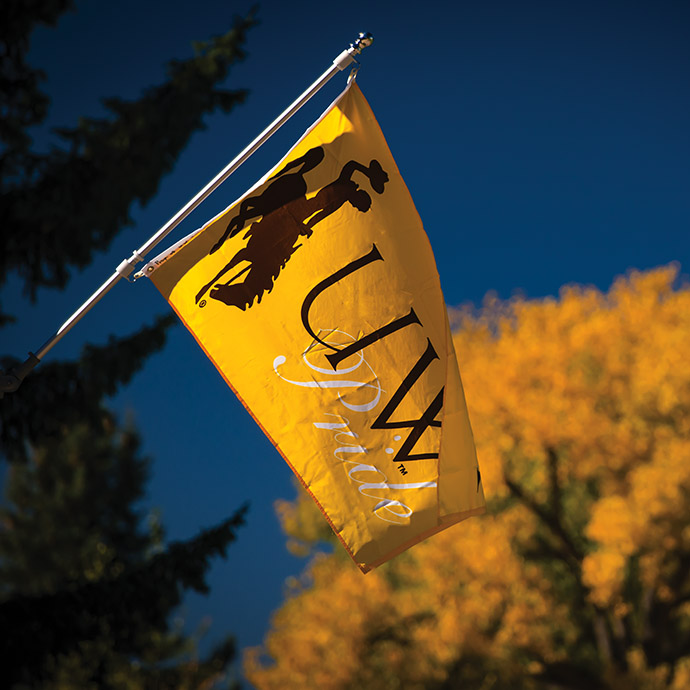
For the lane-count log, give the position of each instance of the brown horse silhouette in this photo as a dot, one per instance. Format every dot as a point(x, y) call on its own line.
point(286, 215)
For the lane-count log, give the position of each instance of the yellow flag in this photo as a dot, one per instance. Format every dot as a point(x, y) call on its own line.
point(317, 298)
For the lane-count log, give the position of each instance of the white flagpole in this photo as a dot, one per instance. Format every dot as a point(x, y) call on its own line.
point(11, 381)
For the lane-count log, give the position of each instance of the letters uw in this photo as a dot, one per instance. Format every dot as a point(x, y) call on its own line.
point(383, 421)
point(371, 481)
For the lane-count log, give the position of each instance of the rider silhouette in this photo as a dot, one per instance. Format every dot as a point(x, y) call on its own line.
point(286, 214)
point(285, 188)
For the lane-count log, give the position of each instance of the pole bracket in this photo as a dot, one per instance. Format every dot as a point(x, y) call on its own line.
point(126, 267)
point(10, 381)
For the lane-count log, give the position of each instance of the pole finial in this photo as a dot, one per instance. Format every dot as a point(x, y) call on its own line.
point(364, 40)
point(347, 57)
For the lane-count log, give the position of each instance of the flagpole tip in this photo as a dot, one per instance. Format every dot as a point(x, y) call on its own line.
point(364, 40)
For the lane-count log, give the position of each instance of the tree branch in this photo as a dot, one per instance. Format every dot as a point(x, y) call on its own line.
point(550, 520)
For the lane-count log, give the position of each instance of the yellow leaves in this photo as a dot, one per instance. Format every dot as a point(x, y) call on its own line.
point(614, 525)
point(318, 653)
point(302, 522)
point(648, 517)
point(681, 679)
point(580, 409)
point(603, 573)
point(639, 674)
point(453, 589)
point(586, 374)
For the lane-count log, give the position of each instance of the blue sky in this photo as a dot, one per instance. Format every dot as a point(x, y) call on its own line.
point(544, 143)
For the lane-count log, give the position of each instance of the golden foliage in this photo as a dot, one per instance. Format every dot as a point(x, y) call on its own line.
point(580, 575)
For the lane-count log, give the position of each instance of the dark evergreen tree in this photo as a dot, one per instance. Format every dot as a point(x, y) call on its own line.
point(57, 209)
point(87, 586)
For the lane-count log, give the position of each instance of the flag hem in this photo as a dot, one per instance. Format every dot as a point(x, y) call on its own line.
point(446, 521)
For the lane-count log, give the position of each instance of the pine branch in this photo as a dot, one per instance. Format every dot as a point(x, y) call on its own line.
point(60, 394)
point(127, 608)
point(79, 197)
point(22, 104)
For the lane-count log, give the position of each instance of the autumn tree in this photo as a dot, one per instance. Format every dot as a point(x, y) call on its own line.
point(579, 576)
point(88, 584)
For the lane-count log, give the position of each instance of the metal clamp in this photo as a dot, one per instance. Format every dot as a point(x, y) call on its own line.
point(127, 266)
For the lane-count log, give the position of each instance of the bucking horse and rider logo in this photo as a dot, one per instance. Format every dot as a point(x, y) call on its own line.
point(285, 215)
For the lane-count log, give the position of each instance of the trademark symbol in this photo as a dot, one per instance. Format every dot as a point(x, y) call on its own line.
point(402, 469)
point(202, 303)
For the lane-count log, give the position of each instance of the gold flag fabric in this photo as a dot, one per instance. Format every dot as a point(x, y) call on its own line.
point(317, 298)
